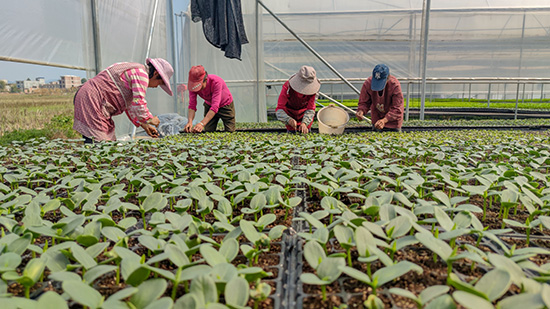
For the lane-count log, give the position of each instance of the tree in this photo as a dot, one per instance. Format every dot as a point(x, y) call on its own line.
point(14, 89)
point(2, 85)
point(83, 80)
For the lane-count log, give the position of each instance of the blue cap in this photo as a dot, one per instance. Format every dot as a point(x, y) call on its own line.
point(379, 77)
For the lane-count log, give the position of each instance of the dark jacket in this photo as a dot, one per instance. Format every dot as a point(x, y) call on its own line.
point(222, 24)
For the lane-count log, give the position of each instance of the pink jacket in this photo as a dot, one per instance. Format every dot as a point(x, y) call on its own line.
point(216, 94)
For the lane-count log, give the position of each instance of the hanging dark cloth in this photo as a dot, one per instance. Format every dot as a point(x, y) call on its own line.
point(222, 23)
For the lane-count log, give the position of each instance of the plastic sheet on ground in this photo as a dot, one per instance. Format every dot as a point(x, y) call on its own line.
point(171, 124)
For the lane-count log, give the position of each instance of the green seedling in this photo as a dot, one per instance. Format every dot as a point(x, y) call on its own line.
point(345, 237)
point(444, 251)
point(486, 290)
point(31, 274)
point(153, 202)
point(260, 293)
point(528, 225)
point(258, 239)
point(383, 275)
point(427, 295)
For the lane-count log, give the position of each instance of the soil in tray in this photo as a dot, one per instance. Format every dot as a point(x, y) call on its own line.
point(317, 302)
point(279, 212)
point(266, 304)
point(539, 259)
point(493, 219)
point(434, 273)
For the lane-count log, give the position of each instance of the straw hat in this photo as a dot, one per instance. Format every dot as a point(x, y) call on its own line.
point(305, 81)
point(165, 71)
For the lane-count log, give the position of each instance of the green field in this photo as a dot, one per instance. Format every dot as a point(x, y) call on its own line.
point(459, 103)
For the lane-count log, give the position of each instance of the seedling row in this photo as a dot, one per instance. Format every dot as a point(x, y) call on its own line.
point(405, 220)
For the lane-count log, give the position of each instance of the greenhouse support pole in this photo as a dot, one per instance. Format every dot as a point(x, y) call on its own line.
point(95, 36)
point(489, 96)
point(408, 100)
point(173, 26)
point(523, 94)
point(411, 61)
point(257, 90)
point(541, 92)
point(182, 56)
point(469, 92)
point(151, 29)
point(57, 65)
point(149, 41)
point(310, 48)
point(425, 28)
point(517, 101)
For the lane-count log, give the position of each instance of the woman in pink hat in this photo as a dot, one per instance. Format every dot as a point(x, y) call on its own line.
point(119, 88)
point(218, 101)
point(296, 104)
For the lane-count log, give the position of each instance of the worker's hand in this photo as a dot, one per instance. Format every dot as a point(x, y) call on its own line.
point(154, 121)
point(380, 124)
point(198, 128)
point(150, 130)
point(359, 115)
point(188, 127)
point(292, 123)
point(303, 128)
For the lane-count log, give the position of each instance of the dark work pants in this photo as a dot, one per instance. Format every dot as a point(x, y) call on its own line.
point(226, 114)
point(87, 140)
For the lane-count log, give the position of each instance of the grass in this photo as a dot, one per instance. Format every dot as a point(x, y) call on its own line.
point(48, 113)
point(33, 111)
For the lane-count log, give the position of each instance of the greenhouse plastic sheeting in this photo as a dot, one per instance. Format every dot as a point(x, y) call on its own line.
point(240, 76)
point(466, 39)
point(60, 32)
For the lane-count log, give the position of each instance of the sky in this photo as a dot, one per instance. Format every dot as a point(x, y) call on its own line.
point(14, 71)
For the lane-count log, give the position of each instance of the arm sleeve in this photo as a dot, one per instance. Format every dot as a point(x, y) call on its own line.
point(308, 117)
point(217, 92)
point(282, 116)
point(396, 107)
point(137, 111)
point(193, 100)
point(365, 101)
point(309, 114)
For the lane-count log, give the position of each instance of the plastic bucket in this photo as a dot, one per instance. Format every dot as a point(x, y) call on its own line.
point(332, 120)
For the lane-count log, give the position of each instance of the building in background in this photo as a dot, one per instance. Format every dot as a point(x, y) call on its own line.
point(70, 81)
point(51, 85)
point(65, 82)
point(30, 85)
